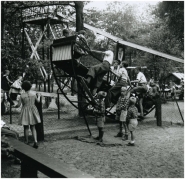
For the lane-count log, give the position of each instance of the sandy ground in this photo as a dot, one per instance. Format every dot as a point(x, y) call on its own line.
point(158, 153)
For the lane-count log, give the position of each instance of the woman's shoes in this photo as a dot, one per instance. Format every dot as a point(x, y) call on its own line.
point(35, 145)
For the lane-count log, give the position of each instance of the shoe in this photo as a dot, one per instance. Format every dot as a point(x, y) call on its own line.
point(27, 143)
point(125, 137)
point(100, 141)
point(130, 144)
point(96, 138)
point(141, 117)
point(120, 134)
point(35, 145)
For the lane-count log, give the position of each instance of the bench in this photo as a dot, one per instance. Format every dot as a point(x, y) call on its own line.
point(33, 160)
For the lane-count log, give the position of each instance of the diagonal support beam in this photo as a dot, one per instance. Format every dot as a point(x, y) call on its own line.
point(31, 45)
point(42, 70)
point(52, 32)
point(38, 42)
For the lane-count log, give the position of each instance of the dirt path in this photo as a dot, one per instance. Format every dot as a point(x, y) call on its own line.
point(159, 152)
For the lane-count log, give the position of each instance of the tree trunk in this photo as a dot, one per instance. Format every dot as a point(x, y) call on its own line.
point(2, 20)
point(79, 15)
point(79, 26)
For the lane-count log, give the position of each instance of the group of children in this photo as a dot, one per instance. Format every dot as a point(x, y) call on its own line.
point(126, 113)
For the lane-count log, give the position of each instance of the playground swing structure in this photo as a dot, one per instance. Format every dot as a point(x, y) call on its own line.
point(63, 57)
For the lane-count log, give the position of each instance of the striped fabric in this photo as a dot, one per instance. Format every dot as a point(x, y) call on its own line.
point(62, 53)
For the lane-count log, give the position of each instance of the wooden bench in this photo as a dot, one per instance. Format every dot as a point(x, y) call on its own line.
point(33, 160)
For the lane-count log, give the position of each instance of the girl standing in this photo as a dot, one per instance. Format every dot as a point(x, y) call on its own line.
point(29, 113)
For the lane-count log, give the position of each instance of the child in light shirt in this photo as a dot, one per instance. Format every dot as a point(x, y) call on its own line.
point(121, 112)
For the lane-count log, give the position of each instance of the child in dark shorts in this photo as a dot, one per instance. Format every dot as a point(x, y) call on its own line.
point(99, 112)
point(132, 122)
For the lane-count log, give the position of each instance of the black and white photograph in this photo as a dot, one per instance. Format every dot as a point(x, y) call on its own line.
point(92, 89)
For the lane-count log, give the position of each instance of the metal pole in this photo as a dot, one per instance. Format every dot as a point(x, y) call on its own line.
point(58, 102)
point(10, 113)
point(179, 109)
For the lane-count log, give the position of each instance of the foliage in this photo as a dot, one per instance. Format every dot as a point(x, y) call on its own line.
point(160, 28)
point(172, 14)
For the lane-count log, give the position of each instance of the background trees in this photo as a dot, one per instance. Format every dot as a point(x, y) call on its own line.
point(158, 27)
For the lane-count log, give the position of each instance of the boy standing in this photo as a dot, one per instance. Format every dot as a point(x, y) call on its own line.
point(100, 114)
point(132, 119)
point(121, 112)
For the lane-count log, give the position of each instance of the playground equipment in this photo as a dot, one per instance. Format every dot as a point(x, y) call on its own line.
point(55, 18)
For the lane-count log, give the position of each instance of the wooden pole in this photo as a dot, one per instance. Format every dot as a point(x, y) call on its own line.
point(158, 111)
point(40, 126)
point(43, 56)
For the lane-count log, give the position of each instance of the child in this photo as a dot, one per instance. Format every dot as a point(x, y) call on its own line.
point(121, 112)
point(100, 114)
point(5, 85)
point(29, 113)
point(81, 45)
point(132, 119)
point(15, 88)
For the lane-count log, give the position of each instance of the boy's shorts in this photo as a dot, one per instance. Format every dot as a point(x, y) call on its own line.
point(132, 124)
point(123, 116)
point(100, 121)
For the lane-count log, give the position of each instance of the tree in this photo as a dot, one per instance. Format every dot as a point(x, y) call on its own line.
point(172, 14)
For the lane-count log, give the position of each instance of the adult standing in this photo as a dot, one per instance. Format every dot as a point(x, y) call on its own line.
point(97, 72)
point(123, 81)
point(141, 88)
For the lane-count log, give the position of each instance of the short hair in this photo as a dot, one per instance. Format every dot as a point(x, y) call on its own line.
point(138, 68)
point(125, 64)
point(132, 100)
point(83, 32)
point(26, 85)
point(102, 94)
point(65, 31)
point(118, 61)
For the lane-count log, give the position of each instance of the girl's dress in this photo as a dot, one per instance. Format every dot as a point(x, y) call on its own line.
point(29, 113)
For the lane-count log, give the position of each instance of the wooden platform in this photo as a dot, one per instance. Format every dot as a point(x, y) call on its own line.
point(33, 160)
